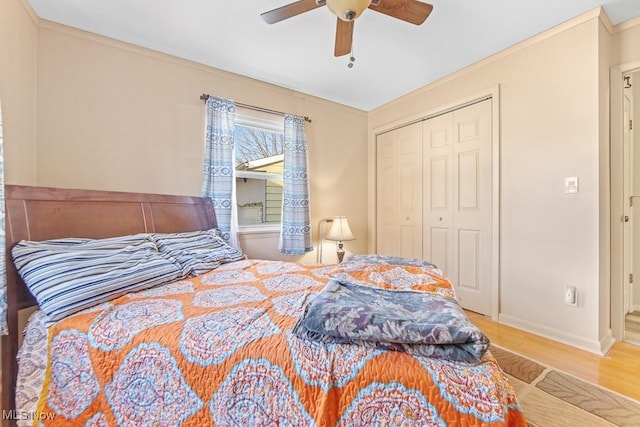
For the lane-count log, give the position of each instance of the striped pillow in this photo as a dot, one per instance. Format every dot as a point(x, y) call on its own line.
point(69, 275)
point(197, 252)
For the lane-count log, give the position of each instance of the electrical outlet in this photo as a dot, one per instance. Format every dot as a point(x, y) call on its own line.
point(571, 296)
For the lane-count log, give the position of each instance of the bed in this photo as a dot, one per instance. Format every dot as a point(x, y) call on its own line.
point(181, 353)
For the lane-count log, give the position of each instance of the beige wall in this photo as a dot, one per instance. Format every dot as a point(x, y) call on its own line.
point(118, 117)
point(114, 116)
point(626, 43)
point(18, 70)
point(549, 111)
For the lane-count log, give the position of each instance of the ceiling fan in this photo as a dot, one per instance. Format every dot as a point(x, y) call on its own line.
point(347, 11)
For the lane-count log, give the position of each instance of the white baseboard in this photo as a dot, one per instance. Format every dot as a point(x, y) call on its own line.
point(607, 342)
point(636, 307)
point(594, 346)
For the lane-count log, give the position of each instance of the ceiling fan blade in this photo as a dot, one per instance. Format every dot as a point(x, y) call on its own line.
point(412, 11)
point(344, 37)
point(290, 10)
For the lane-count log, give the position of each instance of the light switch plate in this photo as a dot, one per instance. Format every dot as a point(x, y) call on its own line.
point(571, 185)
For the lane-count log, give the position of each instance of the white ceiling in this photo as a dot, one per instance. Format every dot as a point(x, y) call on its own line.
point(392, 57)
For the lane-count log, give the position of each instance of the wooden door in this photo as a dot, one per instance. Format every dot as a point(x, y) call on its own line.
point(628, 209)
point(399, 192)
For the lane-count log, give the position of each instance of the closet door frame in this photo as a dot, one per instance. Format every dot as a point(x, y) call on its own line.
point(494, 94)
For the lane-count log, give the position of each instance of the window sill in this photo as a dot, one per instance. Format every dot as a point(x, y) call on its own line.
point(259, 229)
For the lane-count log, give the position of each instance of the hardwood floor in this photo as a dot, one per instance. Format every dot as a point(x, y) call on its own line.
point(618, 370)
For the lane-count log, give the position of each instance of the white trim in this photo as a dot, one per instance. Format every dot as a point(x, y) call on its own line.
point(599, 347)
point(636, 307)
point(372, 171)
point(259, 229)
point(492, 93)
point(495, 197)
point(257, 120)
point(606, 342)
point(616, 109)
point(616, 202)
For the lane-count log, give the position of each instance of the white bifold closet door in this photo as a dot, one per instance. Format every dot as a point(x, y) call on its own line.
point(399, 195)
point(457, 201)
point(454, 191)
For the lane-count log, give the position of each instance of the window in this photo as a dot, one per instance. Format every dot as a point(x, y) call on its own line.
point(259, 163)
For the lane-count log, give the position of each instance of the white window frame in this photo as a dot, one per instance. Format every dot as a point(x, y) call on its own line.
point(247, 118)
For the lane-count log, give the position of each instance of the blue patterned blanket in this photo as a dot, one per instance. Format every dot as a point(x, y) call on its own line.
point(415, 322)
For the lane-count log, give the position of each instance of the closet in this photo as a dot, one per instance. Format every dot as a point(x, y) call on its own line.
point(399, 201)
point(434, 197)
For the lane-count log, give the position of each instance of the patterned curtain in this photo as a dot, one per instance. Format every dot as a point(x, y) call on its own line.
point(295, 234)
point(3, 268)
point(218, 172)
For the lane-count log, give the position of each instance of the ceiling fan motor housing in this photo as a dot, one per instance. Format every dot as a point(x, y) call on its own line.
point(348, 10)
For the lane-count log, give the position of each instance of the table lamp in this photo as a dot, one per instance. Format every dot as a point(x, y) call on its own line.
point(340, 232)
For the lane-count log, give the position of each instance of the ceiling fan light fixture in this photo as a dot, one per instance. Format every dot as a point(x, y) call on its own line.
point(348, 10)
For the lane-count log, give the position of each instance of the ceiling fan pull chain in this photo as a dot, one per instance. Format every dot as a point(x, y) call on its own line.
point(352, 59)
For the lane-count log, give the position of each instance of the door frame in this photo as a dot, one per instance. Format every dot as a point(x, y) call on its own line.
point(491, 92)
point(616, 204)
point(628, 211)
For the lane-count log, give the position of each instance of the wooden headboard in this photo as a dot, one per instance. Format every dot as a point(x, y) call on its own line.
point(41, 213)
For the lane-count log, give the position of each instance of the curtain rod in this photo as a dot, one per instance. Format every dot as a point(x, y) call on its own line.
point(206, 96)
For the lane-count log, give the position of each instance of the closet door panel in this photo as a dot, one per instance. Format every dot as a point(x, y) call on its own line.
point(388, 178)
point(472, 210)
point(439, 247)
point(468, 180)
point(438, 188)
point(468, 246)
point(399, 192)
point(437, 163)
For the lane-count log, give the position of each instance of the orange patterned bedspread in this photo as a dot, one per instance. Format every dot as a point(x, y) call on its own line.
point(217, 350)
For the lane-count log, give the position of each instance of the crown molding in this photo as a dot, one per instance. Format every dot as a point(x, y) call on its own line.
point(32, 14)
point(633, 22)
point(613, 29)
point(606, 21)
point(592, 14)
point(302, 99)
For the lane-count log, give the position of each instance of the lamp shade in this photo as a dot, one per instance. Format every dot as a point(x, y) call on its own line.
point(347, 10)
point(340, 230)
